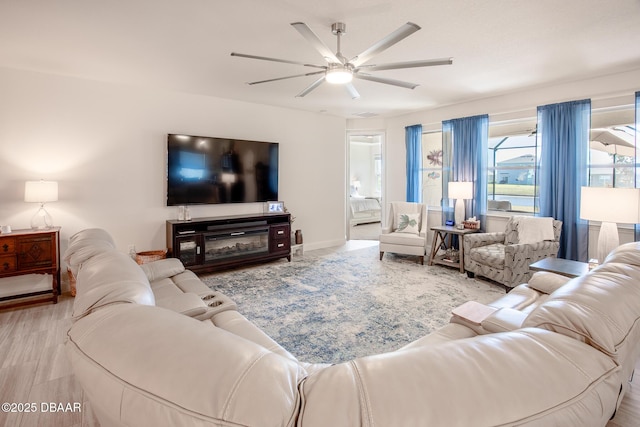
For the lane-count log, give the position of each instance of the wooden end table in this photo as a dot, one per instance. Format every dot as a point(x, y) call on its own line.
point(564, 267)
point(28, 251)
point(442, 234)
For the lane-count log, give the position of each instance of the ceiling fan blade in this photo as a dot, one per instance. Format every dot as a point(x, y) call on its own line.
point(311, 87)
point(405, 31)
point(386, 81)
point(285, 78)
point(316, 42)
point(285, 61)
point(409, 64)
point(352, 91)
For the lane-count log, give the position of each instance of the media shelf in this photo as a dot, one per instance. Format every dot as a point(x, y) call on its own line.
point(217, 243)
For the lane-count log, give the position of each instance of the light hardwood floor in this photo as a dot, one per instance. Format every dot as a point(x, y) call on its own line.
point(34, 368)
point(365, 231)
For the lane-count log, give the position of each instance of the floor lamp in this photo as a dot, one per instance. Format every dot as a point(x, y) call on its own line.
point(460, 190)
point(610, 206)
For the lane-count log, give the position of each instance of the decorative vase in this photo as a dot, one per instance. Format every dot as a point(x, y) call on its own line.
point(298, 237)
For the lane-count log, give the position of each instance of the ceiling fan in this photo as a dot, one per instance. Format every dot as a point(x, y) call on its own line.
point(340, 69)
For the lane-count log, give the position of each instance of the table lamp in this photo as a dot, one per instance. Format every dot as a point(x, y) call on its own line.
point(356, 187)
point(41, 192)
point(460, 190)
point(610, 206)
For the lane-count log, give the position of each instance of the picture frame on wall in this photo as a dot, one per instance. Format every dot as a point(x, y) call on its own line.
point(274, 207)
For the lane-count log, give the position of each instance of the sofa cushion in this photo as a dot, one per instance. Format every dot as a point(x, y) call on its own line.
point(404, 239)
point(188, 304)
point(518, 298)
point(447, 333)
point(85, 244)
point(144, 366)
point(187, 281)
point(110, 278)
point(599, 308)
point(492, 255)
point(574, 385)
point(164, 288)
point(629, 254)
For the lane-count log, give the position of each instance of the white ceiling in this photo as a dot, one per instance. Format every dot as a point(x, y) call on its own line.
point(184, 45)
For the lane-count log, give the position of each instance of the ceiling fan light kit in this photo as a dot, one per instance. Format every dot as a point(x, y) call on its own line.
point(342, 70)
point(338, 74)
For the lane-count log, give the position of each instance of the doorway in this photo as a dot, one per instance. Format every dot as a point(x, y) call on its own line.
point(365, 186)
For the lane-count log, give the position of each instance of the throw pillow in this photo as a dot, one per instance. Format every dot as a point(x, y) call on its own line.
point(408, 223)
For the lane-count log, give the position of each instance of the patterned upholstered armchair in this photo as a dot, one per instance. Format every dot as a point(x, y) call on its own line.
point(505, 256)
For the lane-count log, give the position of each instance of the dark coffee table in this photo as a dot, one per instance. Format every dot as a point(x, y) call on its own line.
point(564, 267)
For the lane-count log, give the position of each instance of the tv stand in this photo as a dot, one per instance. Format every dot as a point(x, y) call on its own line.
point(217, 243)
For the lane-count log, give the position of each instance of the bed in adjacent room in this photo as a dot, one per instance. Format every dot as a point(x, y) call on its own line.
point(365, 210)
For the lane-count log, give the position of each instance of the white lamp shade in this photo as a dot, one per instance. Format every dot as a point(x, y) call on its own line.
point(41, 191)
point(617, 205)
point(460, 190)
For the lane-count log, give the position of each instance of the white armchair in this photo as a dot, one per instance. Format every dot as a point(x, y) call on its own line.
point(406, 230)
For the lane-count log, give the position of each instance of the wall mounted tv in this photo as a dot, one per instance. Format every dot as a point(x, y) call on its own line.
point(207, 170)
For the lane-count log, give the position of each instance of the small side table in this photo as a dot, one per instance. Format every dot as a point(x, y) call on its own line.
point(564, 267)
point(441, 234)
point(297, 249)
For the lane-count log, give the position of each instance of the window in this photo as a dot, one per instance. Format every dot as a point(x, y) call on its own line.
point(612, 157)
point(512, 161)
point(377, 166)
point(512, 166)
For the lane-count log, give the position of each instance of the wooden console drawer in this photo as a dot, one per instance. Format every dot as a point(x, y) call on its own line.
point(7, 264)
point(280, 239)
point(7, 245)
point(280, 231)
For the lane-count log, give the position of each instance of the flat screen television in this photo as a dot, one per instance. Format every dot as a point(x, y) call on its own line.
point(208, 170)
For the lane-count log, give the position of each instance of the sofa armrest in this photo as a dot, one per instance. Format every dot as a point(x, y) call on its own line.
point(482, 239)
point(537, 251)
point(216, 302)
point(547, 282)
point(516, 248)
point(188, 304)
point(162, 269)
point(544, 250)
point(504, 320)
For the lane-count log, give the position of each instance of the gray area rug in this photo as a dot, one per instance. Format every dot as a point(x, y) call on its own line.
point(336, 307)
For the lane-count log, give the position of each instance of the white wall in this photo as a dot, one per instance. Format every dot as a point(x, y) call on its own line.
point(106, 146)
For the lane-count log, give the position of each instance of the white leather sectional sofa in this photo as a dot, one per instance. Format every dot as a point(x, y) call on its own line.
point(552, 353)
